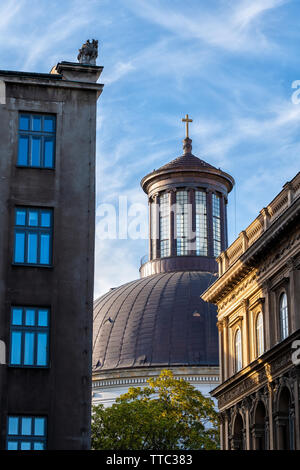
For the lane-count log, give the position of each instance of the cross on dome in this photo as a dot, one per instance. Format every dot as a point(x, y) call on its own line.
point(187, 121)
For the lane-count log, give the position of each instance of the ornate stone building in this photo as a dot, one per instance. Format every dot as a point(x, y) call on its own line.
point(159, 321)
point(258, 298)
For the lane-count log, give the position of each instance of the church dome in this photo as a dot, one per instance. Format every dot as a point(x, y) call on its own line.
point(186, 161)
point(156, 321)
point(160, 320)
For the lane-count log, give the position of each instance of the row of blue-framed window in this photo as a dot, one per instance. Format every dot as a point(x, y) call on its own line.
point(33, 236)
point(29, 340)
point(32, 245)
point(36, 140)
point(26, 432)
point(29, 347)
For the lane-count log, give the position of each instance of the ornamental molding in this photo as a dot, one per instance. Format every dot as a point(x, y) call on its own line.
point(277, 255)
point(268, 264)
point(257, 303)
point(238, 291)
point(246, 262)
point(281, 280)
point(235, 320)
point(262, 378)
point(143, 380)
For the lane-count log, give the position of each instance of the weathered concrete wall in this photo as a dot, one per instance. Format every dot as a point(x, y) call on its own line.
point(62, 391)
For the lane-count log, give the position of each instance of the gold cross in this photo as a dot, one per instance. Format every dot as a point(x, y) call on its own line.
point(187, 120)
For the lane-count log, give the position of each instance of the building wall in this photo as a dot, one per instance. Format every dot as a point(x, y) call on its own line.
point(253, 283)
point(60, 392)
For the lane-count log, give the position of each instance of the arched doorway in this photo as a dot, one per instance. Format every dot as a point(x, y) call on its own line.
point(284, 423)
point(259, 430)
point(238, 433)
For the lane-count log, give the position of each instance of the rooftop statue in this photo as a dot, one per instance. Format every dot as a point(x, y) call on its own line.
point(88, 52)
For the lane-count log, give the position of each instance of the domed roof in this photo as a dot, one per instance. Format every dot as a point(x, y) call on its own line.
point(189, 164)
point(159, 320)
point(188, 161)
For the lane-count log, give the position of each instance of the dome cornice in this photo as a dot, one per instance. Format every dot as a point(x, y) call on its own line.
point(190, 168)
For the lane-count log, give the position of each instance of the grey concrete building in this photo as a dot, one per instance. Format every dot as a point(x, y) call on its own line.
point(47, 197)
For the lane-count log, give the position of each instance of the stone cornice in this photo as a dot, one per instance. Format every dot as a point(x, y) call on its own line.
point(250, 259)
point(50, 80)
point(139, 376)
point(209, 379)
point(257, 374)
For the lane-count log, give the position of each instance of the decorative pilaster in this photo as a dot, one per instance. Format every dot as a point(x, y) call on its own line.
point(245, 336)
point(294, 294)
point(226, 348)
point(296, 387)
point(221, 349)
point(268, 321)
point(246, 430)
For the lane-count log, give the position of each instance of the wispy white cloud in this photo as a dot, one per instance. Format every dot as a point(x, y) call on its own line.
point(8, 12)
point(117, 262)
point(119, 70)
point(56, 33)
point(228, 63)
point(225, 28)
point(248, 11)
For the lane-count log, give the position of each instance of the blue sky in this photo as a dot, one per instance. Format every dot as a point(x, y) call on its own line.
point(229, 64)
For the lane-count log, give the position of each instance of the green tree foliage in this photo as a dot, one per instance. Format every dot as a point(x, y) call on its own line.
point(167, 414)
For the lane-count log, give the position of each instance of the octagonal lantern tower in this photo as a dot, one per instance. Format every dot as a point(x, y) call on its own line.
point(187, 214)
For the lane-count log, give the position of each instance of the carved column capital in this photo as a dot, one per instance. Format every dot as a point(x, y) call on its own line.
point(291, 263)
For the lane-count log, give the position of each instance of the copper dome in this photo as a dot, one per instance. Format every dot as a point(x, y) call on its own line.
point(188, 161)
point(158, 320)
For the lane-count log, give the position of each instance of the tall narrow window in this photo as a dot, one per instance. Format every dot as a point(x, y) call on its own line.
point(29, 337)
point(164, 225)
point(33, 236)
point(259, 334)
point(26, 433)
point(216, 212)
point(36, 140)
point(238, 350)
point(154, 227)
point(284, 319)
point(201, 223)
point(182, 222)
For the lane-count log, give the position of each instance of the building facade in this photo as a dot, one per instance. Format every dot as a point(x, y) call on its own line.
point(159, 321)
point(47, 193)
point(258, 298)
